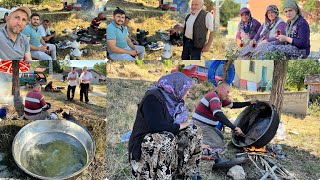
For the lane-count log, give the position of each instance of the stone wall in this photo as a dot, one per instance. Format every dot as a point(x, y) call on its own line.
point(294, 102)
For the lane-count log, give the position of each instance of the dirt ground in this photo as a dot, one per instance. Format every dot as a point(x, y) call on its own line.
point(90, 116)
point(125, 92)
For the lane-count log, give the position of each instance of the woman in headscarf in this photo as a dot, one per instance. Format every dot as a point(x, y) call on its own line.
point(267, 32)
point(296, 42)
point(163, 145)
point(247, 28)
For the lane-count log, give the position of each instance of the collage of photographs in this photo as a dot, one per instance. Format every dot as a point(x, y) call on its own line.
point(160, 89)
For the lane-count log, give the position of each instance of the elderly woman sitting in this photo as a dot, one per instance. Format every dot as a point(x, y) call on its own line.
point(272, 27)
point(247, 28)
point(163, 145)
point(296, 43)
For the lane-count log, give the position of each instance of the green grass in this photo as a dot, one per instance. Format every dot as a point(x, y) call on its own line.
point(125, 92)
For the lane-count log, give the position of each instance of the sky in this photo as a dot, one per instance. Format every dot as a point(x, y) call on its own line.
point(82, 63)
point(243, 2)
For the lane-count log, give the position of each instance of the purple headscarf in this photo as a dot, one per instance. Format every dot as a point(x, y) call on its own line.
point(174, 87)
point(245, 27)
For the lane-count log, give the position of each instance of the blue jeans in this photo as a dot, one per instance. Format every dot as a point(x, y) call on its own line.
point(189, 52)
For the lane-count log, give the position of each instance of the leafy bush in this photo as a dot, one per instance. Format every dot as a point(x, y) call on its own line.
point(167, 63)
point(139, 62)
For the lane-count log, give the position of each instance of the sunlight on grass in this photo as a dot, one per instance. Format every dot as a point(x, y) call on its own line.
point(300, 149)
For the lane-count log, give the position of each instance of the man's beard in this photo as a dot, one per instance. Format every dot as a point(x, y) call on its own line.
point(35, 24)
point(15, 30)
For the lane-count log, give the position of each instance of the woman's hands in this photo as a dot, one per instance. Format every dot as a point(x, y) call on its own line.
point(184, 125)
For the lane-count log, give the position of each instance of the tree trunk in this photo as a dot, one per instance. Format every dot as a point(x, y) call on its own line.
point(226, 67)
point(17, 100)
point(278, 84)
point(217, 16)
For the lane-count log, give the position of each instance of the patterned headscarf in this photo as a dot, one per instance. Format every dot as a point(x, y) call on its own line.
point(245, 26)
point(174, 87)
point(268, 24)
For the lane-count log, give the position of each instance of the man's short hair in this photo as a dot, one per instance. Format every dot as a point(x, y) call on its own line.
point(34, 14)
point(73, 68)
point(36, 86)
point(118, 11)
point(45, 21)
point(223, 84)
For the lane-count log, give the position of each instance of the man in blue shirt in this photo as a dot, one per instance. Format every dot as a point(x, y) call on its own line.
point(119, 44)
point(39, 48)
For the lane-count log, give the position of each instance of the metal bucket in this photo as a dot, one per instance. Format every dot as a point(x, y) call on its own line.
point(41, 134)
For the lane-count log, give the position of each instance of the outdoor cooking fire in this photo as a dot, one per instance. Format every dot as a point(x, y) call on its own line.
point(254, 149)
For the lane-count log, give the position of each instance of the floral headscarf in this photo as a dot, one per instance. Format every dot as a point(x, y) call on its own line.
point(268, 24)
point(174, 87)
point(245, 27)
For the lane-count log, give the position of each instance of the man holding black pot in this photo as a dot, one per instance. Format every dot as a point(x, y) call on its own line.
point(209, 116)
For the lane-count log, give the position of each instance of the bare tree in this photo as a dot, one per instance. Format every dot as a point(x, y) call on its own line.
point(17, 100)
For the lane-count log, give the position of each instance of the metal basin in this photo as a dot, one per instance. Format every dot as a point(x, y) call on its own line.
point(259, 123)
point(53, 149)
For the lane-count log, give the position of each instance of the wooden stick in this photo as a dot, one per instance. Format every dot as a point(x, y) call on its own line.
point(282, 169)
point(265, 176)
point(271, 169)
point(256, 165)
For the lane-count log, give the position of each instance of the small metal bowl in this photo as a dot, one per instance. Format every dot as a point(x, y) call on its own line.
point(41, 134)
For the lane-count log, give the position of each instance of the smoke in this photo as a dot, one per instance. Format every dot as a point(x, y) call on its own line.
point(5, 89)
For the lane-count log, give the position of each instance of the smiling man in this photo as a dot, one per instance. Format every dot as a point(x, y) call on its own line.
point(13, 44)
point(119, 44)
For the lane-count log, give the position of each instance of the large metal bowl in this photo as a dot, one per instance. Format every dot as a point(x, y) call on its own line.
point(43, 132)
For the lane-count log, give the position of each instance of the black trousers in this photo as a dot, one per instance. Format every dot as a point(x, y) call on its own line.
point(84, 90)
point(72, 89)
point(189, 52)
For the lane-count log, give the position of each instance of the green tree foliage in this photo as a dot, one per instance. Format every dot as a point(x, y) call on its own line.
point(100, 68)
point(311, 6)
point(56, 66)
point(229, 9)
point(297, 70)
point(65, 64)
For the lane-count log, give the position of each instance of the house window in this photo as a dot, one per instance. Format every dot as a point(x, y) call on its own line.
point(251, 66)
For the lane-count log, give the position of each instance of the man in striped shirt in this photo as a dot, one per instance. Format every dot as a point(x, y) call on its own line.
point(35, 107)
point(208, 114)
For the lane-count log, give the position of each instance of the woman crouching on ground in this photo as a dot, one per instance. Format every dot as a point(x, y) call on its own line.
point(163, 145)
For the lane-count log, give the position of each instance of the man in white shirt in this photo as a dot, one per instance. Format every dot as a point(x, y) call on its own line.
point(195, 31)
point(72, 83)
point(85, 79)
point(47, 35)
